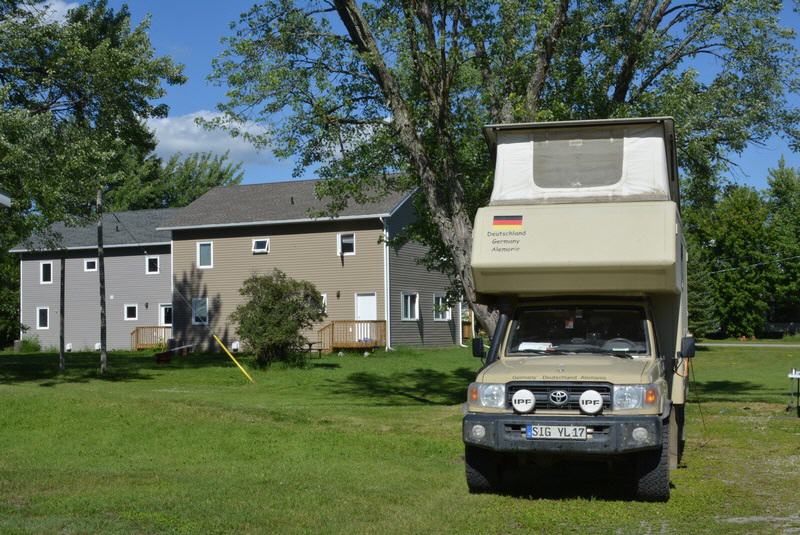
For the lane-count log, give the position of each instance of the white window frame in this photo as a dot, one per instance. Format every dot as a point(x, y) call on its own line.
point(324, 302)
point(86, 261)
point(211, 244)
point(41, 272)
point(38, 325)
point(339, 243)
point(125, 311)
point(147, 264)
point(403, 306)
point(161, 316)
point(208, 313)
point(448, 312)
point(260, 251)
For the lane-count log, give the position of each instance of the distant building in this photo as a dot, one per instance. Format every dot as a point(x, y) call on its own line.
point(138, 278)
point(5, 200)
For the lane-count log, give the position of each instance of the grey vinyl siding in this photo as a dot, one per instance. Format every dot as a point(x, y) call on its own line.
point(406, 275)
point(126, 283)
point(306, 251)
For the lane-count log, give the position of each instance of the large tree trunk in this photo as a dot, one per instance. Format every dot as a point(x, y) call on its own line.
point(449, 214)
point(62, 363)
point(101, 267)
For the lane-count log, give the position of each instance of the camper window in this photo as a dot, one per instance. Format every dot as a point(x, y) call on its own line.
point(578, 157)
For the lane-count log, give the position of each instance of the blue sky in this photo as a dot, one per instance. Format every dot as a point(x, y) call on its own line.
point(190, 30)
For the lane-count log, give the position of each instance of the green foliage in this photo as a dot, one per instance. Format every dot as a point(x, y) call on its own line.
point(742, 256)
point(277, 310)
point(30, 344)
point(783, 202)
point(74, 98)
point(408, 111)
point(178, 182)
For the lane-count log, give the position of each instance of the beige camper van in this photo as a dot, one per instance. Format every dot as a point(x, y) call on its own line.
point(581, 249)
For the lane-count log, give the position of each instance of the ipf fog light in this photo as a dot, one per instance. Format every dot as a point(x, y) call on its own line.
point(640, 434)
point(478, 431)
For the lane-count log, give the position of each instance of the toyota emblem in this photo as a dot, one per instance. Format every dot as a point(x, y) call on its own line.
point(559, 398)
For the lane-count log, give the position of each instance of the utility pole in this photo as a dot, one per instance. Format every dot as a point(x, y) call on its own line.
point(62, 363)
point(101, 266)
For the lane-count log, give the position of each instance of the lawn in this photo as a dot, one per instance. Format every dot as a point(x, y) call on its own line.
point(354, 445)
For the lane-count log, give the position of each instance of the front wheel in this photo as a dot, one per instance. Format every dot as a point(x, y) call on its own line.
point(482, 469)
point(651, 483)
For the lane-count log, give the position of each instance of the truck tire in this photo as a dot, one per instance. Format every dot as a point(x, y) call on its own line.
point(652, 472)
point(482, 469)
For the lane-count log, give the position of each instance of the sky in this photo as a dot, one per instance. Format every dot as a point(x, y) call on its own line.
point(190, 31)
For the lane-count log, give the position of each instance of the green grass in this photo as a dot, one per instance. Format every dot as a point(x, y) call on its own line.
point(352, 445)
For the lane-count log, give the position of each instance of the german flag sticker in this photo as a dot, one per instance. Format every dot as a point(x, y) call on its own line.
point(507, 222)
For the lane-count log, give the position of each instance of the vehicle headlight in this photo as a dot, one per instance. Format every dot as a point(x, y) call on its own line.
point(636, 397)
point(488, 395)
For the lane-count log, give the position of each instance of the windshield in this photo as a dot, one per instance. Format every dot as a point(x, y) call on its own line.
point(599, 329)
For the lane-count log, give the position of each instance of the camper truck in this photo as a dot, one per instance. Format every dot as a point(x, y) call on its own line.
point(581, 251)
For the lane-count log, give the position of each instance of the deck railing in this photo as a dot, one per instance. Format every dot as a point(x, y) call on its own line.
point(149, 337)
point(352, 334)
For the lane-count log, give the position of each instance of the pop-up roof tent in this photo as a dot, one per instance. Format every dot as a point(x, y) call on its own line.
point(584, 161)
point(561, 218)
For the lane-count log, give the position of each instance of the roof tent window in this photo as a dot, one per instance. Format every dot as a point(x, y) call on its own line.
point(577, 157)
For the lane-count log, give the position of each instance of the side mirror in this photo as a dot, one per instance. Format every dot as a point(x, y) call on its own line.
point(687, 347)
point(477, 348)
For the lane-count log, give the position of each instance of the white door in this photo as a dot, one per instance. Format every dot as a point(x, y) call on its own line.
point(366, 312)
point(165, 315)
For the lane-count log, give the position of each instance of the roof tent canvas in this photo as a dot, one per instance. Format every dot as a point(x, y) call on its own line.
point(588, 161)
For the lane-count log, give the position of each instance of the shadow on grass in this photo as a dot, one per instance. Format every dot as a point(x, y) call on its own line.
point(85, 367)
point(419, 386)
point(735, 391)
point(569, 480)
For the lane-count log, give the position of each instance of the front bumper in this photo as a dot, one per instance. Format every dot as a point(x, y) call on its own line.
point(605, 434)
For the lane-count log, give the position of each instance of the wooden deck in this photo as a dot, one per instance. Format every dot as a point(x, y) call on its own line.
point(150, 337)
point(352, 334)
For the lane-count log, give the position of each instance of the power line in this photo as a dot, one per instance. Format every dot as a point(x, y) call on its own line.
point(748, 266)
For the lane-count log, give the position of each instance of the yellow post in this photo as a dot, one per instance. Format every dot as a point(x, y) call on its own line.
point(232, 358)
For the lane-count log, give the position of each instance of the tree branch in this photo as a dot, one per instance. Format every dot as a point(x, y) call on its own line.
point(544, 56)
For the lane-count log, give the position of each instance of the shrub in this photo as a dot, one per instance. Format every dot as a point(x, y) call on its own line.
point(277, 310)
point(30, 344)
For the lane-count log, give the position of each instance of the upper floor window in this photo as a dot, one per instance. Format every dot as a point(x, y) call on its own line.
point(261, 246)
point(410, 304)
point(90, 264)
point(346, 244)
point(46, 273)
point(441, 311)
point(152, 265)
point(205, 255)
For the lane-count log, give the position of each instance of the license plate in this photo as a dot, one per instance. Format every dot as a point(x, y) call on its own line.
point(555, 432)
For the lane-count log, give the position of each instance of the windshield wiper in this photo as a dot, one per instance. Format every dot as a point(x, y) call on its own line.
point(620, 354)
point(542, 352)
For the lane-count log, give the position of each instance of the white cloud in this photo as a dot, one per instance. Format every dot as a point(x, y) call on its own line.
point(182, 134)
point(55, 10)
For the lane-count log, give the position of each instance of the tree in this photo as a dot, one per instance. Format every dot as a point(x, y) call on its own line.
point(385, 96)
point(277, 310)
point(82, 89)
point(178, 182)
point(743, 267)
point(783, 201)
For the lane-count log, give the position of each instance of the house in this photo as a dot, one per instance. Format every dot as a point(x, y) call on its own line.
point(138, 281)
point(5, 200)
point(375, 294)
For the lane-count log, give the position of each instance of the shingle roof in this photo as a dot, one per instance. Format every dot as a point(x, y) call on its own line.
point(127, 228)
point(273, 202)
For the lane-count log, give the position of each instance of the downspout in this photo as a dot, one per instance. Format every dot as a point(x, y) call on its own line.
point(387, 309)
point(460, 325)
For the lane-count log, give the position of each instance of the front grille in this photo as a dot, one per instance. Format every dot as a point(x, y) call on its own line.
point(573, 389)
